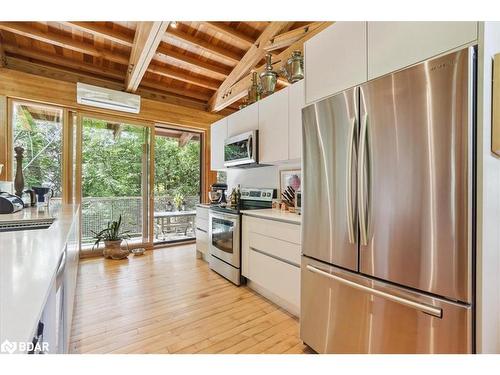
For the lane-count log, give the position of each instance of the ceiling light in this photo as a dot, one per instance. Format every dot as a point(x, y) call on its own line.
point(173, 24)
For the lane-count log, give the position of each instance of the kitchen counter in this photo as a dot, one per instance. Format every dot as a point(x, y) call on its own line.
point(28, 265)
point(276, 215)
point(203, 205)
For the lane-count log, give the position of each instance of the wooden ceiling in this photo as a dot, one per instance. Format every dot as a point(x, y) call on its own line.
point(203, 65)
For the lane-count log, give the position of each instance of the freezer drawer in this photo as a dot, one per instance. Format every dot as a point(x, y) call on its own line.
point(343, 312)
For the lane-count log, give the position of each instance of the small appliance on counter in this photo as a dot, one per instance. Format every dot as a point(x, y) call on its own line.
point(217, 193)
point(10, 203)
point(224, 231)
point(43, 195)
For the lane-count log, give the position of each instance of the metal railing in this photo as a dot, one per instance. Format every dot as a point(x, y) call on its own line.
point(98, 211)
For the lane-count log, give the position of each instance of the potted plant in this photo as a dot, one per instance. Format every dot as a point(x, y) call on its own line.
point(178, 201)
point(112, 238)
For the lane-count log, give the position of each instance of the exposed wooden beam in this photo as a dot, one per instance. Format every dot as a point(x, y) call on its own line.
point(64, 61)
point(233, 33)
point(3, 61)
point(21, 28)
point(239, 89)
point(148, 36)
point(203, 44)
point(194, 62)
point(102, 31)
point(185, 138)
point(249, 60)
point(185, 77)
point(285, 39)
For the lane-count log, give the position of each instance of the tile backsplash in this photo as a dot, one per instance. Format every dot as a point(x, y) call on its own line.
point(265, 177)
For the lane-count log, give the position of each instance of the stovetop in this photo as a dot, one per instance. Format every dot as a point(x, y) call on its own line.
point(251, 199)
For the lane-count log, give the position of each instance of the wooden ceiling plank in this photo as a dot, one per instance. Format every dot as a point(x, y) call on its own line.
point(233, 33)
point(194, 62)
point(239, 89)
point(178, 75)
point(101, 31)
point(64, 61)
point(203, 44)
point(287, 38)
point(147, 38)
point(21, 28)
point(251, 58)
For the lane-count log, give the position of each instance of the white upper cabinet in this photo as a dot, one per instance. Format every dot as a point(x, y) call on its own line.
point(296, 101)
point(395, 45)
point(335, 59)
point(218, 133)
point(244, 120)
point(273, 127)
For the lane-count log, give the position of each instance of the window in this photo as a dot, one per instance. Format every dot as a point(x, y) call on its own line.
point(38, 130)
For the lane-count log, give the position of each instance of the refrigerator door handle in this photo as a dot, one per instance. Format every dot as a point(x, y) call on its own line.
point(350, 211)
point(362, 204)
point(427, 309)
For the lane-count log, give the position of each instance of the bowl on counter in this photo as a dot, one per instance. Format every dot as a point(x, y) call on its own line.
point(138, 251)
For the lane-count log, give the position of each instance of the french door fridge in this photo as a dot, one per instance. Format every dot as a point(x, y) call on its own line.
point(388, 213)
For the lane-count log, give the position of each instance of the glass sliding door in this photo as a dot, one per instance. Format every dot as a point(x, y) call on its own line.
point(177, 166)
point(38, 129)
point(114, 177)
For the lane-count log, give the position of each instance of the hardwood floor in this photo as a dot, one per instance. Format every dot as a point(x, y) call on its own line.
point(168, 301)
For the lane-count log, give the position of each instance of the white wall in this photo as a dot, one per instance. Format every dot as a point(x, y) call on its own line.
point(488, 201)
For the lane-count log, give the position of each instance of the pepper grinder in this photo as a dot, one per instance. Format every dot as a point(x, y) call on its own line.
point(19, 180)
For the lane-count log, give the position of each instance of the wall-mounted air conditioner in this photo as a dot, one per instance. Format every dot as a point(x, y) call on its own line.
point(96, 96)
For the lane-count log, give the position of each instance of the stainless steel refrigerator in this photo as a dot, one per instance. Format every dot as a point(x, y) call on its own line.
point(388, 213)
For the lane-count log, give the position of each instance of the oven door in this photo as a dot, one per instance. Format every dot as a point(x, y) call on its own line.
point(224, 237)
point(241, 149)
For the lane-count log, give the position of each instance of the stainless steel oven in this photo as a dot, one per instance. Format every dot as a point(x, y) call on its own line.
point(241, 150)
point(224, 245)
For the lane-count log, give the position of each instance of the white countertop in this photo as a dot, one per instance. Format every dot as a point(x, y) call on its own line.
point(273, 214)
point(28, 263)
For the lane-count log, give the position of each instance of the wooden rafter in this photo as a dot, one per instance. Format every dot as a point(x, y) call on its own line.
point(192, 61)
point(148, 36)
point(252, 57)
point(233, 33)
point(63, 41)
point(102, 31)
point(168, 88)
point(184, 138)
point(287, 38)
point(185, 77)
point(203, 44)
point(3, 60)
point(239, 89)
point(60, 60)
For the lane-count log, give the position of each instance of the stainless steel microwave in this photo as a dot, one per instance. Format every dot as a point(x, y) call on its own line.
point(242, 150)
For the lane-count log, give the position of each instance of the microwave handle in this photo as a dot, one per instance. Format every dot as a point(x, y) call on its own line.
point(249, 146)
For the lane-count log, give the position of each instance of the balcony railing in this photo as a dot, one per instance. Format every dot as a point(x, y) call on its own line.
point(98, 211)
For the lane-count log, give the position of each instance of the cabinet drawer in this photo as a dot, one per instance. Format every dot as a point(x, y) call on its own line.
point(284, 250)
point(276, 229)
point(202, 213)
point(280, 278)
point(202, 223)
point(202, 241)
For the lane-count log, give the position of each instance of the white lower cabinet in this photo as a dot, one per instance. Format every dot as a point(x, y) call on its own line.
point(271, 260)
point(202, 232)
